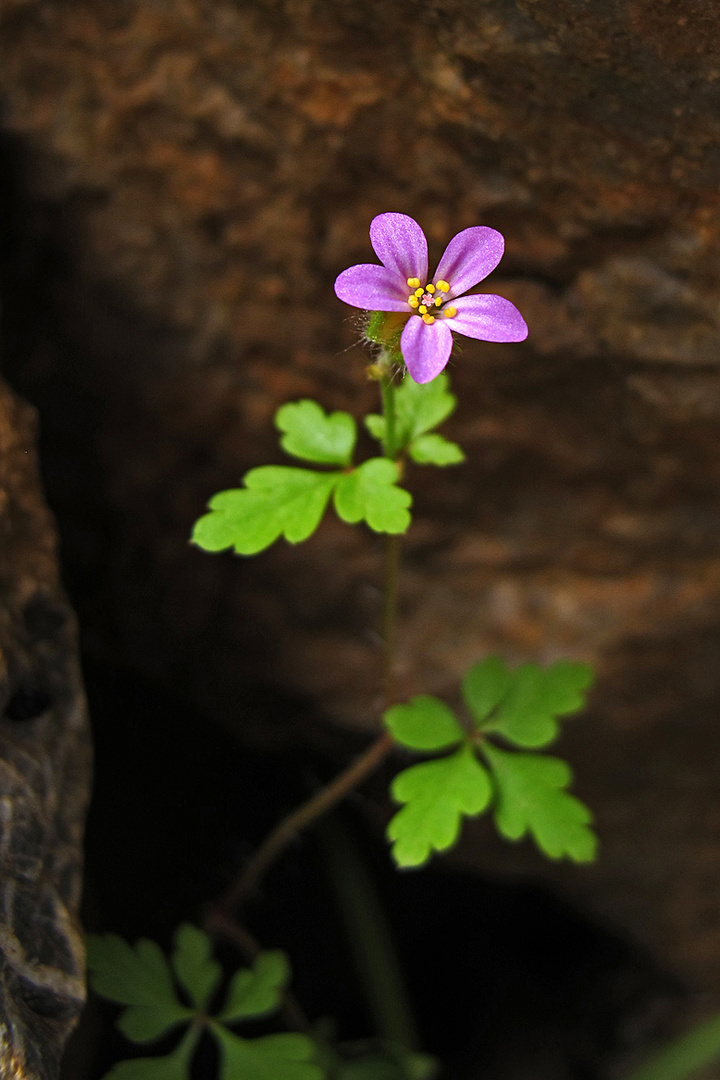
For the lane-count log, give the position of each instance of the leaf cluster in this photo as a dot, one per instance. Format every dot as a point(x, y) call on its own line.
point(141, 979)
point(418, 410)
point(280, 500)
point(527, 791)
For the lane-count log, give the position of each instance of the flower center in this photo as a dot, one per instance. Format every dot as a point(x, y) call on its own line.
point(427, 300)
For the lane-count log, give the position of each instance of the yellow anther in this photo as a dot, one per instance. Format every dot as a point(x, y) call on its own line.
point(419, 292)
point(443, 285)
point(413, 282)
point(437, 301)
point(429, 319)
point(422, 309)
point(449, 312)
point(413, 300)
point(430, 288)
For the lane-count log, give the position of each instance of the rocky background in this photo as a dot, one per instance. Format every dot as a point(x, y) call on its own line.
point(182, 183)
point(44, 771)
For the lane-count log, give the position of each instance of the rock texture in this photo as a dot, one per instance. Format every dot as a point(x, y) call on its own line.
point(44, 772)
point(191, 176)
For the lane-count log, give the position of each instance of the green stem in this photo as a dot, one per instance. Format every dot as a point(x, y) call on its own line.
point(392, 548)
point(389, 616)
point(387, 389)
point(369, 933)
point(274, 844)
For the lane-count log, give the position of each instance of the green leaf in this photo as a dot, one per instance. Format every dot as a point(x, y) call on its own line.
point(152, 1068)
point(423, 724)
point(257, 991)
point(276, 501)
point(418, 409)
point(435, 449)
point(370, 493)
point(139, 977)
point(173, 1066)
point(437, 795)
point(531, 798)
point(313, 435)
point(376, 426)
point(147, 1023)
point(272, 1057)
point(193, 964)
point(527, 714)
point(394, 1064)
point(485, 685)
point(130, 976)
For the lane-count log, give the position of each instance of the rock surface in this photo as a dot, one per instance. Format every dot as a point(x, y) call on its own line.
point(191, 176)
point(44, 772)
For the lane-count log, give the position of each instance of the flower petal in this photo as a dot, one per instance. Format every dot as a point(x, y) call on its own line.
point(400, 245)
point(425, 347)
point(372, 287)
point(489, 318)
point(469, 257)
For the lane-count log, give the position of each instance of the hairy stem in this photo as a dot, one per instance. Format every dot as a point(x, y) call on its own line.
point(387, 389)
point(389, 615)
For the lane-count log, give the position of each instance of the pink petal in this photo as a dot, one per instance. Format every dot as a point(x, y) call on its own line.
point(469, 257)
point(425, 347)
point(373, 288)
point(489, 318)
point(400, 245)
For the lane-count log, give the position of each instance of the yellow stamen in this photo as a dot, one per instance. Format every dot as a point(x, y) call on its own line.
point(429, 319)
point(441, 285)
point(430, 288)
point(449, 312)
point(413, 282)
point(422, 309)
point(413, 300)
point(419, 292)
point(437, 301)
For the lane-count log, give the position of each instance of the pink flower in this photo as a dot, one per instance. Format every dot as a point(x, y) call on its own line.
point(436, 306)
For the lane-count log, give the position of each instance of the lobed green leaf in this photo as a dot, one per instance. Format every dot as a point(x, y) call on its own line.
point(418, 409)
point(523, 705)
point(484, 687)
point(313, 435)
point(148, 1023)
point(196, 970)
point(271, 1057)
point(424, 723)
point(376, 426)
point(173, 1066)
point(257, 991)
point(276, 501)
point(531, 798)
point(370, 493)
point(437, 795)
point(127, 975)
point(140, 978)
point(434, 449)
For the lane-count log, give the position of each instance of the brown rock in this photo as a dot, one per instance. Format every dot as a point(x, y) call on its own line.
point(44, 772)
